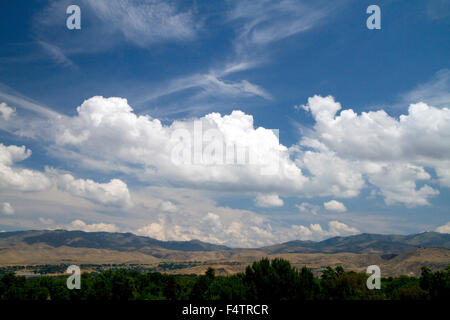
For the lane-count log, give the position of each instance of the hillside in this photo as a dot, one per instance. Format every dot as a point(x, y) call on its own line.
point(396, 254)
point(104, 240)
point(365, 243)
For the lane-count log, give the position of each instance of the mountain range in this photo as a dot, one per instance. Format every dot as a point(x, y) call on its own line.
point(365, 243)
point(396, 253)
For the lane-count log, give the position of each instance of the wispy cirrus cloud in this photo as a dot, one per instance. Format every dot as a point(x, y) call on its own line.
point(57, 54)
point(15, 98)
point(147, 22)
point(435, 92)
point(209, 84)
point(21, 115)
point(111, 23)
point(263, 22)
point(255, 24)
point(201, 87)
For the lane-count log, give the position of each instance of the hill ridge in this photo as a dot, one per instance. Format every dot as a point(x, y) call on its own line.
point(127, 241)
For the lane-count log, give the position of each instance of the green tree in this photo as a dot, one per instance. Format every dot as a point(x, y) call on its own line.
point(272, 280)
point(412, 293)
point(171, 289)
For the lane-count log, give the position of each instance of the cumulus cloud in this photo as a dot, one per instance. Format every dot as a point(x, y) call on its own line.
point(315, 231)
point(404, 159)
point(397, 183)
point(210, 152)
point(268, 200)
point(391, 154)
point(236, 229)
point(334, 205)
point(444, 229)
point(95, 227)
point(247, 231)
point(153, 230)
point(329, 175)
point(6, 208)
point(166, 230)
point(20, 179)
point(113, 193)
point(11, 154)
point(342, 154)
point(306, 207)
point(375, 136)
point(341, 229)
point(6, 111)
point(212, 221)
point(167, 206)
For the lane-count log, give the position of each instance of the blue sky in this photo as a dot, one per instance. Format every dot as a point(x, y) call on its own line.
point(295, 66)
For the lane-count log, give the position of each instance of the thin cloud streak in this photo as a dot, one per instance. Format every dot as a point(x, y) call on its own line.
point(57, 55)
point(16, 99)
point(212, 83)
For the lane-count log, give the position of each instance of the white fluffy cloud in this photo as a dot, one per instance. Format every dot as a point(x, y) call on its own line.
point(375, 136)
point(20, 179)
point(11, 154)
point(268, 200)
point(6, 111)
point(6, 208)
point(394, 155)
point(343, 153)
point(306, 207)
point(95, 227)
point(403, 159)
point(315, 231)
point(397, 183)
point(444, 229)
point(107, 129)
point(113, 193)
point(211, 228)
point(329, 174)
point(334, 205)
point(236, 229)
point(166, 230)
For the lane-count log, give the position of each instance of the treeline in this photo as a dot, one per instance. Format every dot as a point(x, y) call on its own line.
point(96, 268)
point(263, 280)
